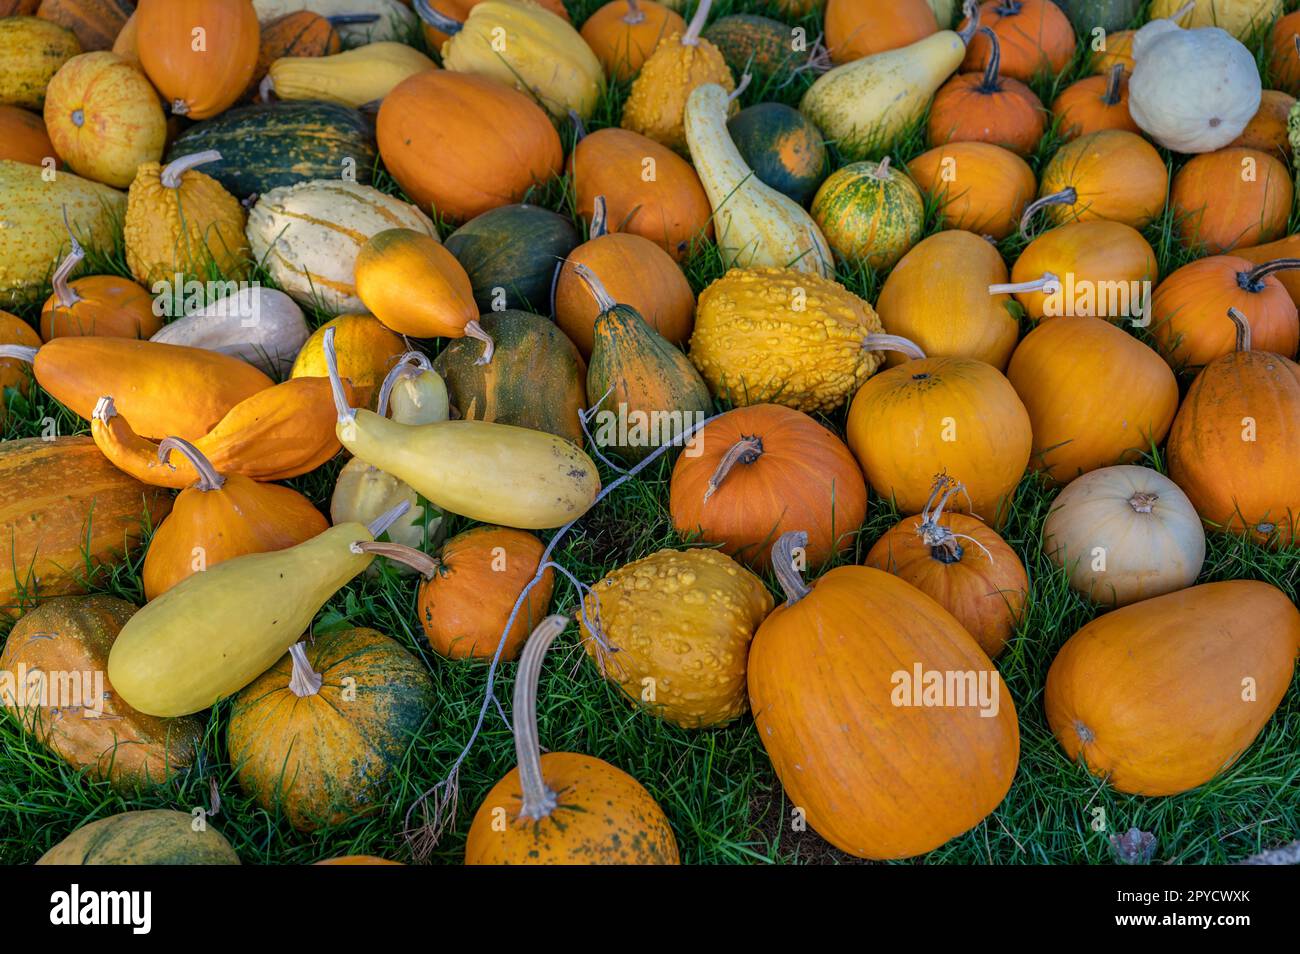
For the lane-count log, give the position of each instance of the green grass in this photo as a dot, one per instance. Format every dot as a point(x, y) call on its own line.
point(716, 786)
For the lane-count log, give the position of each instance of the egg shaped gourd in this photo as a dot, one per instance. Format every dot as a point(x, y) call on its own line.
point(783, 148)
point(755, 472)
point(1096, 395)
point(352, 78)
point(200, 54)
point(623, 34)
point(976, 186)
point(33, 50)
point(937, 772)
point(367, 353)
point(1233, 445)
point(987, 107)
point(460, 144)
point(754, 44)
point(96, 305)
point(23, 136)
point(604, 817)
point(870, 213)
point(933, 416)
point(937, 296)
point(511, 255)
point(684, 619)
point(814, 345)
point(1113, 175)
point(256, 324)
point(308, 236)
point(73, 634)
point(393, 19)
point(1094, 104)
point(855, 30)
point(1233, 196)
point(320, 735)
point(1035, 36)
point(1124, 534)
point(153, 837)
point(104, 119)
point(1098, 269)
point(1224, 652)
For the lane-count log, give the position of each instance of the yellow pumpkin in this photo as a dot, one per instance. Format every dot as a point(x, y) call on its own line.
point(366, 350)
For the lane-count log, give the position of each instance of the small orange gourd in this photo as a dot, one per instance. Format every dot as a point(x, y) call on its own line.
point(23, 137)
point(987, 107)
point(1219, 206)
point(1112, 174)
point(367, 351)
point(623, 34)
point(1093, 104)
point(102, 305)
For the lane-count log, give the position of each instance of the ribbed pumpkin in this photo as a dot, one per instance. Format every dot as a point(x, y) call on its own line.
point(937, 296)
point(1124, 534)
point(960, 563)
point(878, 773)
point(23, 137)
point(643, 391)
point(460, 144)
point(220, 517)
point(636, 272)
point(511, 255)
point(623, 34)
point(1267, 131)
point(754, 44)
point(201, 54)
point(649, 190)
point(682, 620)
point(97, 730)
point(1095, 394)
point(155, 837)
point(1112, 174)
point(536, 377)
point(756, 472)
point(1036, 38)
point(930, 416)
point(977, 186)
point(298, 34)
point(97, 305)
point(782, 146)
point(855, 29)
point(33, 50)
point(1101, 269)
point(562, 807)
point(1164, 695)
point(320, 734)
point(180, 220)
point(1283, 58)
point(366, 352)
point(1234, 196)
point(1093, 104)
point(870, 213)
point(1234, 444)
point(987, 107)
point(815, 345)
point(96, 23)
point(1187, 310)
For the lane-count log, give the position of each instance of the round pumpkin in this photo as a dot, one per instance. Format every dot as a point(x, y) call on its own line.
point(854, 30)
point(1093, 104)
point(200, 54)
point(987, 107)
point(511, 254)
point(672, 631)
point(870, 213)
point(1283, 59)
point(1234, 196)
point(1124, 534)
point(782, 146)
point(319, 735)
point(757, 472)
point(932, 416)
point(1035, 36)
point(366, 351)
point(1112, 174)
point(101, 305)
point(1102, 269)
point(1267, 131)
point(23, 137)
point(1116, 50)
point(1096, 395)
point(976, 186)
point(623, 34)
point(154, 837)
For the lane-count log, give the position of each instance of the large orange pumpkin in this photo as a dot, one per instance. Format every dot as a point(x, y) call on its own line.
point(23, 137)
point(977, 186)
point(1235, 196)
point(987, 107)
point(854, 29)
point(1093, 104)
point(1036, 38)
point(200, 54)
point(1112, 174)
point(1095, 394)
point(461, 144)
point(1098, 268)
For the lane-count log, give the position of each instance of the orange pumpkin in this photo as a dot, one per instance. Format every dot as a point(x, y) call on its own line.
point(1267, 131)
point(649, 190)
point(961, 563)
point(461, 144)
point(100, 305)
point(1235, 196)
point(1094, 103)
point(977, 186)
point(1099, 269)
point(301, 33)
point(95, 22)
point(639, 273)
point(1036, 38)
point(1095, 394)
point(757, 472)
point(220, 517)
point(1116, 50)
point(855, 29)
point(201, 54)
point(1112, 174)
point(1288, 247)
point(987, 107)
point(1234, 445)
point(1284, 54)
point(623, 34)
point(23, 137)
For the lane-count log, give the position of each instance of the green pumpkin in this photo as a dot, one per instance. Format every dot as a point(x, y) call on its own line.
point(870, 213)
point(755, 44)
point(1088, 15)
point(536, 377)
point(265, 147)
point(157, 837)
point(511, 254)
point(782, 146)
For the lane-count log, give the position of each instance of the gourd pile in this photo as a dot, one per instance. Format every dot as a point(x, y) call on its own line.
point(896, 401)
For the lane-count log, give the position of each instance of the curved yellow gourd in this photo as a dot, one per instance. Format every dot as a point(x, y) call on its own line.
point(756, 226)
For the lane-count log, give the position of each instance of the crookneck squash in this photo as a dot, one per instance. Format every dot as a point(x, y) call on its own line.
point(200, 54)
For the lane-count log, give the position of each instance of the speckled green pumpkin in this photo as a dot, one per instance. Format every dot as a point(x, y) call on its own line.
point(782, 146)
point(870, 213)
point(326, 757)
point(156, 837)
point(1088, 15)
point(264, 147)
point(511, 254)
point(536, 377)
point(748, 42)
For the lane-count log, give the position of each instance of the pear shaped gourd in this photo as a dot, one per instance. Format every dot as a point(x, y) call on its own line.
point(756, 225)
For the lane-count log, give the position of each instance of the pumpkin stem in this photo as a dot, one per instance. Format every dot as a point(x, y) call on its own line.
point(1253, 280)
point(594, 285)
point(783, 562)
point(599, 221)
point(1143, 502)
point(66, 295)
point(692, 35)
point(740, 87)
point(104, 410)
point(417, 560)
point(971, 11)
point(408, 365)
point(1112, 96)
point(538, 800)
point(172, 172)
point(346, 415)
point(474, 330)
point(990, 82)
point(19, 352)
point(1066, 196)
point(209, 479)
point(303, 681)
point(943, 541)
point(1049, 284)
point(1243, 329)
point(876, 342)
point(439, 21)
point(744, 451)
point(634, 14)
point(881, 172)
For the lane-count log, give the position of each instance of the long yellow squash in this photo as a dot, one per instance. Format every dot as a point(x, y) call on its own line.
point(353, 77)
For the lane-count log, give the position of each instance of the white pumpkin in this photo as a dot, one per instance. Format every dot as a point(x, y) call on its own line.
point(260, 325)
point(1125, 534)
point(308, 236)
point(396, 21)
point(1192, 91)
